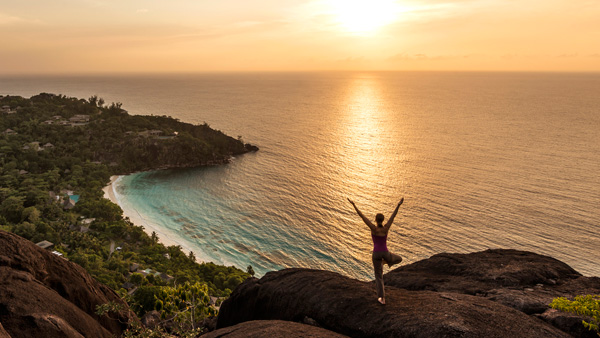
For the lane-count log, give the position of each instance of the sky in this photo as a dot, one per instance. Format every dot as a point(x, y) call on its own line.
point(112, 36)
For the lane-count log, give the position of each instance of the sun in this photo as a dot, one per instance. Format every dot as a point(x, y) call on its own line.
point(364, 16)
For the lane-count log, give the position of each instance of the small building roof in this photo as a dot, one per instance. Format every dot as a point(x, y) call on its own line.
point(134, 267)
point(127, 285)
point(166, 277)
point(69, 204)
point(45, 244)
point(79, 118)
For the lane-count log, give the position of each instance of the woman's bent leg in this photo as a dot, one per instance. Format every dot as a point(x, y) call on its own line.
point(392, 259)
point(378, 268)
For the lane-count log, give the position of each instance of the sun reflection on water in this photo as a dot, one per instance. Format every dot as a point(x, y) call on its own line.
point(368, 133)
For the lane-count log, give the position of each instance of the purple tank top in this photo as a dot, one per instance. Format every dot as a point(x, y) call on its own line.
point(379, 243)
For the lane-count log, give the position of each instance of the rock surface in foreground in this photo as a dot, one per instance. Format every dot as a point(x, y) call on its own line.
point(349, 307)
point(44, 295)
point(272, 329)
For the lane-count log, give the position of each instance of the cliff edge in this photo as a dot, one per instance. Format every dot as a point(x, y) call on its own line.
point(494, 293)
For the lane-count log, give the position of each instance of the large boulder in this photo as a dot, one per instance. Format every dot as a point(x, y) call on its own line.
point(525, 281)
point(43, 295)
point(479, 272)
point(349, 307)
point(272, 329)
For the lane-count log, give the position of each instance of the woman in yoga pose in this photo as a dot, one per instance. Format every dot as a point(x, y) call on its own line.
point(381, 254)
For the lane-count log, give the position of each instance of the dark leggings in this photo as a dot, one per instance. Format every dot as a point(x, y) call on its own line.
point(379, 257)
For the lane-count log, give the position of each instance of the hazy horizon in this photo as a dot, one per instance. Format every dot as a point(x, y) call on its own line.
point(111, 37)
point(84, 74)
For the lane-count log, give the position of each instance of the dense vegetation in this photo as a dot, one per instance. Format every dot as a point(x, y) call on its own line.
point(54, 149)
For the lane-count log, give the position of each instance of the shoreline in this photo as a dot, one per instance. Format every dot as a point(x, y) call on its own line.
point(138, 220)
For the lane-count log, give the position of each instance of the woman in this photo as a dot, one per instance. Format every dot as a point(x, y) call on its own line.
point(380, 252)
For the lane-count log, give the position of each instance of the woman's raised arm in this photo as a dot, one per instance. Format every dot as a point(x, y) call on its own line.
point(366, 220)
point(391, 220)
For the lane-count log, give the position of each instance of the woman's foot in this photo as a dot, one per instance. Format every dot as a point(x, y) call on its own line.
point(381, 300)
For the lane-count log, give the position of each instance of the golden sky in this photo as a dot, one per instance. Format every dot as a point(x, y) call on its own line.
point(90, 36)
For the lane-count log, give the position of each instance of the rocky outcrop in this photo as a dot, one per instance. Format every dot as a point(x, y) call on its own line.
point(479, 272)
point(494, 293)
point(249, 147)
point(349, 307)
point(43, 295)
point(522, 280)
point(272, 329)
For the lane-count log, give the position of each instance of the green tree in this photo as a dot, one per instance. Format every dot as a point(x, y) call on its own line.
point(137, 279)
point(233, 281)
point(187, 304)
point(250, 270)
point(26, 230)
point(144, 299)
point(31, 214)
point(588, 305)
point(12, 208)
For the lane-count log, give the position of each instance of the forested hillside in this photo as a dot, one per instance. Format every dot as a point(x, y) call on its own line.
point(57, 153)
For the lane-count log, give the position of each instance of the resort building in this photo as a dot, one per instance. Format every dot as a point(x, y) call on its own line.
point(70, 201)
point(80, 118)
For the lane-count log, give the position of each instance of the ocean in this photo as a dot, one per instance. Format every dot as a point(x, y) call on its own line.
point(483, 160)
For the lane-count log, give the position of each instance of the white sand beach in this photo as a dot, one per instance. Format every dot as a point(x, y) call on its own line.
point(137, 219)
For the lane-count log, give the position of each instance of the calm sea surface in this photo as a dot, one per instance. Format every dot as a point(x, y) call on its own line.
point(484, 160)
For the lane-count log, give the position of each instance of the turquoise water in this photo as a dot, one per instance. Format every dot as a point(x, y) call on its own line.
point(484, 160)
